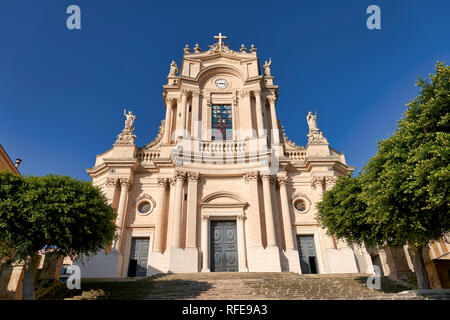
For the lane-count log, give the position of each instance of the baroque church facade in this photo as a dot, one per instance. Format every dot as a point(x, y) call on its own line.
point(221, 188)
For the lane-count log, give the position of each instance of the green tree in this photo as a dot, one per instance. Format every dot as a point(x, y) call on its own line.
point(69, 216)
point(402, 190)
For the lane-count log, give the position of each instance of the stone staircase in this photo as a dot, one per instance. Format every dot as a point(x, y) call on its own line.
point(235, 286)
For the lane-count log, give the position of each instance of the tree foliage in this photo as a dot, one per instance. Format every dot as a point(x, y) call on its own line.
point(70, 216)
point(401, 197)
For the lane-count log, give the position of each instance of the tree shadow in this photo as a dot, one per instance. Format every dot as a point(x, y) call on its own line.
point(387, 285)
point(151, 288)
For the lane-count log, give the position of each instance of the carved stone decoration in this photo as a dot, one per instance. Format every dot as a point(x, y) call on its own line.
point(272, 99)
point(205, 217)
point(317, 182)
point(288, 142)
point(179, 175)
point(282, 180)
point(126, 137)
point(253, 48)
point(111, 182)
point(300, 203)
point(314, 136)
point(163, 182)
point(193, 176)
point(266, 67)
point(172, 182)
point(173, 69)
point(158, 137)
point(197, 48)
point(243, 48)
point(251, 176)
point(186, 49)
point(125, 182)
point(266, 177)
point(244, 93)
point(330, 181)
point(242, 217)
point(215, 48)
point(145, 205)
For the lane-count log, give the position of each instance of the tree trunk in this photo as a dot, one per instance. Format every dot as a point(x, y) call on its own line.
point(419, 269)
point(28, 277)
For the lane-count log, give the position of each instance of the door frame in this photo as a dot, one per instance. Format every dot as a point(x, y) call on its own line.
point(211, 237)
point(126, 257)
point(318, 248)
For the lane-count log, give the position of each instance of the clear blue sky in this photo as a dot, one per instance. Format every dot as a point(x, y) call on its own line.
point(62, 92)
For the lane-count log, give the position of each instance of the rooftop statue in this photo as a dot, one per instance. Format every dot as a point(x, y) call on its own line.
point(173, 69)
point(312, 122)
point(129, 121)
point(266, 67)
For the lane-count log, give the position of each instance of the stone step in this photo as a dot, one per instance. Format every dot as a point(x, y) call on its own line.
point(241, 286)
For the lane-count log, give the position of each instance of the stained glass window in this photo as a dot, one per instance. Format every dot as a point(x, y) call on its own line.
point(222, 124)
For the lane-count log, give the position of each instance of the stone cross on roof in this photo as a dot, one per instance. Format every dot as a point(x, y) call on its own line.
point(220, 37)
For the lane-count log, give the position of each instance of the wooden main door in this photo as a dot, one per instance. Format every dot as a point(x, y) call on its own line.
point(224, 254)
point(307, 253)
point(138, 257)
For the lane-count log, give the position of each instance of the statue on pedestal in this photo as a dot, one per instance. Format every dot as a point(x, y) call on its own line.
point(266, 67)
point(314, 136)
point(126, 137)
point(173, 69)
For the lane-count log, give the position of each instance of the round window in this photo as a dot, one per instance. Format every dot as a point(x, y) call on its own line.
point(145, 207)
point(300, 205)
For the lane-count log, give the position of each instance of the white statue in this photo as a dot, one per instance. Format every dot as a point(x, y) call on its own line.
point(173, 69)
point(312, 122)
point(266, 67)
point(129, 121)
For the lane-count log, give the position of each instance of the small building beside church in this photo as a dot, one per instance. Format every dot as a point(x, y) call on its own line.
point(221, 188)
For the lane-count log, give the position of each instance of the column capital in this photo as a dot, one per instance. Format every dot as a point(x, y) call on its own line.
point(330, 181)
point(272, 99)
point(162, 182)
point(257, 92)
point(265, 177)
point(111, 182)
point(205, 217)
point(196, 93)
point(244, 93)
point(185, 92)
point(170, 101)
point(282, 181)
point(193, 176)
point(317, 181)
point(172, 182)
point(125, 182)
point(242, 217)
point(179, 175)
point(251, 176)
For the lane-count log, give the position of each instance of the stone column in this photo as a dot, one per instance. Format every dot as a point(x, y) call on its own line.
point(254, 221)
point(273, 114)
point(205, 243)
point(246, 115)
point(287, 225)
point(124, 185)
point(160, 214)
point(241, 244)
point(182, 128)
point(191, 219)
point(177, 214)
point(195, 125)
point(259, 116)
point(170, 211)
point(168, 121)
point(270, 226)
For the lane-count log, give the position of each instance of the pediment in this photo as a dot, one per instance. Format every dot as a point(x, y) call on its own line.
point(222, 199)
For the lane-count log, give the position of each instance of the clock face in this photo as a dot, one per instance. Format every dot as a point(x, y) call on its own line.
point(221, 83)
